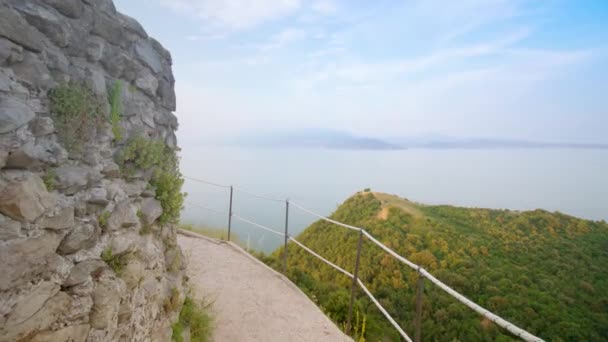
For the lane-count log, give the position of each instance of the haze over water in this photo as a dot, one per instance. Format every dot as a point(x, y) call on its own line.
point(572, 181)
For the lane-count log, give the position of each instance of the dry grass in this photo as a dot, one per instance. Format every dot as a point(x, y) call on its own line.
point(398, 202)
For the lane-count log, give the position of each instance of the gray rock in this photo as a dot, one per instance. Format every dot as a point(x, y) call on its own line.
point(24, 200)
point(131, 25)
point(46, 21)
point(106, 300)
point(167, 94)
point(147, 83)
point(6, 79)
point(83, 271)
point(10, 52)
point(150, 210)
point(24, 259)
point(42, 125)
point(106, 6)
point(135, 188)
point(63, 219)
point(16, 29)
point(14, 113)
point(133, 273)
point(70, 8)
point(33, 72)
point(124, 242)
point(147, 54)
point(3, 157)
point(97, 82)
point(72, 333)
point(33, 155)
point(98, 196)
point(31, 301)
point(107, 28)
point(41, 320)
point(81, 237)
point(9, 229)
point(111, 170)
point(95, 48)
point(71, 179)
point(124, 216)
point(57, 61)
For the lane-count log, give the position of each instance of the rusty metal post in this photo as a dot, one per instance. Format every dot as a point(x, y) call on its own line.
point(354, 285)
point(230, 213)
point(419, 293)
point(286, 237)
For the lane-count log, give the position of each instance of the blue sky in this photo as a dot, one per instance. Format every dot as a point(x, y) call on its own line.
point(534, 70)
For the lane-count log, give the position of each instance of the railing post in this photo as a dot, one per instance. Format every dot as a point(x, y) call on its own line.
point(354, 285)
point(419, 293)
point(286, 237)
point(230, 213)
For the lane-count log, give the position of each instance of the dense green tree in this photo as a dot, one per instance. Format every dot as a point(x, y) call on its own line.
point(546, 272)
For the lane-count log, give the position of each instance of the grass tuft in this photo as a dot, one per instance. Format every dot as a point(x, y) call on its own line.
point(115, 109)
point(194, 316)
point(77, 113)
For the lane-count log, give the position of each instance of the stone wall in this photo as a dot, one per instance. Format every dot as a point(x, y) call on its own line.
point(83, 255)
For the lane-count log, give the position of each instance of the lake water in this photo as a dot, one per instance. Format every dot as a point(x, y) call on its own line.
point(572, 181)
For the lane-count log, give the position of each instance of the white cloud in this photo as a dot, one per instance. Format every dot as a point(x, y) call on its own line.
point(324, 7)
point(235, 14)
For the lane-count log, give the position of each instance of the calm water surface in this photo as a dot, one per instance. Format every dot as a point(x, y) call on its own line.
point(571, 181)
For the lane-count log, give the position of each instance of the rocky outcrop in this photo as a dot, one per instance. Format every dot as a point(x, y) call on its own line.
point(84, 254)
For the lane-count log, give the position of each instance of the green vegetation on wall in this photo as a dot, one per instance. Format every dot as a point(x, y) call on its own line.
point(76, 112)
point(116, 109)
point(194, 316)
point(156, 157)
point(116, 262)
point(545, 272)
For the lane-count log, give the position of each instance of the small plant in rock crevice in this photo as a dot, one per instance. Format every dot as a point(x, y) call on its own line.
point(162, 162)
point(195, 317)
point(103, 219)
point(77, 114)
point(116, 109)
point(49, 180)
point(116, 262)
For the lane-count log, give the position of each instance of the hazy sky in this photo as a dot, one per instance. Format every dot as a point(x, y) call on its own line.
point(535, 70)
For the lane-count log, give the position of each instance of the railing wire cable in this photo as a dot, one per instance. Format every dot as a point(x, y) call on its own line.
point(256, 224)
point(207, 208)
point(348, 274)
point(259, 196)
point(207, 182)
point(386, 314)
point(323, 217)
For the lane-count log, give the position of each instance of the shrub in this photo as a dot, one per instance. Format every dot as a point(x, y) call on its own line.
point(162, 161)
point(103, 219)
point(194, 316)
point(77, 113)
point(49, 180)
point(116, 262)
point(115, 109)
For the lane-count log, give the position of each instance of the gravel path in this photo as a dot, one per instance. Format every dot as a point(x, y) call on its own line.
point(251, 302)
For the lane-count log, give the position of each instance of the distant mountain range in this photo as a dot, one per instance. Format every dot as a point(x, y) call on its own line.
point(314, 138)
point(334, 139)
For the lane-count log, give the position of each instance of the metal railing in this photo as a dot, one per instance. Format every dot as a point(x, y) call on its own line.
point(422, 273)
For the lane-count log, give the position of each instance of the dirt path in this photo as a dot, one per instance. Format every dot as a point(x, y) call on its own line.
point(251, 301)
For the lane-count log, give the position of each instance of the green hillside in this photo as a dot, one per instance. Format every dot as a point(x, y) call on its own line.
point(546, 272)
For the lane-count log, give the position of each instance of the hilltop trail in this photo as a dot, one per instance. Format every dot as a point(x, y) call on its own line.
point(251, 302)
